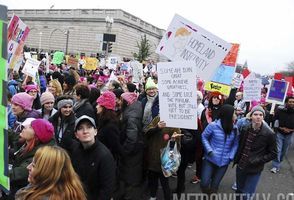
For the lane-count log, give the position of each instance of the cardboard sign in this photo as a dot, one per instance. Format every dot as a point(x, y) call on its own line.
point(212, 86)
point(177, 94)
point(277, 92)
point(186, 41)
point(31, 67)
point(17, 34)
point(58, 57)
point(252, 88)
point(73, 62)
point(90, 63)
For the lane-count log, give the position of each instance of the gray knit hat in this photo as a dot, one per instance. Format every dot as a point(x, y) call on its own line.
point(257, 108)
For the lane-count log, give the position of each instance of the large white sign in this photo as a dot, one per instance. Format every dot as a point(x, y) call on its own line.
point(177, 94)
point(185, 41)
point(31, 67)
point(252, 88)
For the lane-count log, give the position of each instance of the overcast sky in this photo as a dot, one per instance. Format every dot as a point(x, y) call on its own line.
point(263, 28)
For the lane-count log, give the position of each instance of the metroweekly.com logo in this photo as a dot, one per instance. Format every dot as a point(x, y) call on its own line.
point(233, 196)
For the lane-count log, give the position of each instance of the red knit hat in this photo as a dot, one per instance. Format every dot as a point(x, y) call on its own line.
point(217, 95)
point(44, 130)
point(107, 100)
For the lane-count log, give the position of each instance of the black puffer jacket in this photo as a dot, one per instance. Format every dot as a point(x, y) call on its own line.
point(263, 149)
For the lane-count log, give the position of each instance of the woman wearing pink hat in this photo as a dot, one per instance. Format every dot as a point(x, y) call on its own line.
point(47, 102)
point(33, 90)
point(108, 126)
point(35, 134)
point(131, 160)
point(21, 105)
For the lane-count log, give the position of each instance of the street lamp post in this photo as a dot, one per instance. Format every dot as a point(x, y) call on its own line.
point(66, 45)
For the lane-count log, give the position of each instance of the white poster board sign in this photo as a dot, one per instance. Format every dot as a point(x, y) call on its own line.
point(137, 69)
point(177, 94)
point(31, 67)
point(112, 62)
point(186, 41)
point(237, 80)
point(252, 88)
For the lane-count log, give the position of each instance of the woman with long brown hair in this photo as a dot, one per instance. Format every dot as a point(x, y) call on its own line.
point(52, 177)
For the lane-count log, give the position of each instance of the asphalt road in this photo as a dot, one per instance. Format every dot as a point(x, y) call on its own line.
point(271, 186)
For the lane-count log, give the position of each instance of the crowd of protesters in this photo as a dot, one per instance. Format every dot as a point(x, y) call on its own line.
point(75, 134)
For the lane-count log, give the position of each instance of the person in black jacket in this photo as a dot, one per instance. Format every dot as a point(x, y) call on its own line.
point(92, 161)
point(64, 121)
point(257, 146)
point(82, 105)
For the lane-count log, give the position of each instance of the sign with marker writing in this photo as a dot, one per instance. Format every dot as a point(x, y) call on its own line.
point(186, 41)
point(177, 94)
point(252, 88)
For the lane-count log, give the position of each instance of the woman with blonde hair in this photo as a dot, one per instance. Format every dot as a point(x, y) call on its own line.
point(55, 88)
point(52, 177)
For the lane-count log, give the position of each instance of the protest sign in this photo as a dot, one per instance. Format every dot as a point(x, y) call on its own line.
point(224, 75)
point(112, 62)
point(278, 76)
point(73, 62)
point(58, 57)
point(17, 34)
point(222, 88)
point(90, 63)
point(237, 80)
point(277, 92)
point(245, 73)
point(27, 55)
point(290, 87)
point(137, 71)
point(177, 94)
point(186, 41)
point(252, 88)
point(4, 170)
point(231, 58)
point(31, 67)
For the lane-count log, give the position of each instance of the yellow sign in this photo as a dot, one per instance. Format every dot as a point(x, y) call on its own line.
point(212, 86)
point(91, 63)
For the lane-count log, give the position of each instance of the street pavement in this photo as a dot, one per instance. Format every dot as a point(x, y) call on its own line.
point(271, 186)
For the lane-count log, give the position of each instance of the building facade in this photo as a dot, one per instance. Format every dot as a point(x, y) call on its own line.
point(81, 30)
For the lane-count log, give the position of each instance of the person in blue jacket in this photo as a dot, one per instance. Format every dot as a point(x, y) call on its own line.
point(220, 142)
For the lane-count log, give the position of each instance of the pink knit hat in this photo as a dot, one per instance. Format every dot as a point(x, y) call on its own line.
point(44, 130)
point(107, 100)
point(24, 100)
point(31, 87)
point(46, 97)
point(130, 97)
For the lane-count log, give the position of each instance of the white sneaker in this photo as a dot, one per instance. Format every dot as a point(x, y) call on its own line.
point(152, 198)
point(275, 170)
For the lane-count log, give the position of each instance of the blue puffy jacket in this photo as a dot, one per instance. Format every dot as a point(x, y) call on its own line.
point(218, 148)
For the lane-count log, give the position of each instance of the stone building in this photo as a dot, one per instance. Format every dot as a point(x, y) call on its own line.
point(81, 30)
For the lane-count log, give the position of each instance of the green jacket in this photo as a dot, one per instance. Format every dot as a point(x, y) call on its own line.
point(154, 137)
point(19, 172)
